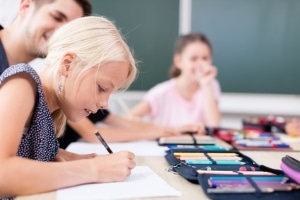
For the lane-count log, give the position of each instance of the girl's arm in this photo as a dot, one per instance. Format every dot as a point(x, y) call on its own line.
point(15, 173)
point(211, 108)
point(17, 98)
point(119, 129)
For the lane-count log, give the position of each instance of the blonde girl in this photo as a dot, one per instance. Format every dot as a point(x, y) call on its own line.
point(87, 60)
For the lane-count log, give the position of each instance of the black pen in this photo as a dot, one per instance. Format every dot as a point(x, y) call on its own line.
point(103, 142)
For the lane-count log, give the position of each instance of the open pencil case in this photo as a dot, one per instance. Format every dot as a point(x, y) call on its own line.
point(251, 139)
point(247, 171)
point(185, 162)
point(249, 187)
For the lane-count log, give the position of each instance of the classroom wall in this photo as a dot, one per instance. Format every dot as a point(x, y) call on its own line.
point(256, 43)
point(8, 11)
point(150, 27)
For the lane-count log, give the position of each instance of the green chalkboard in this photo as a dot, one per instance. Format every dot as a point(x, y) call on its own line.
point(256, 43)
point(150, 28)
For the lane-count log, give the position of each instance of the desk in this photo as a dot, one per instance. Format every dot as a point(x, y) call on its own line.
point(189, 190)
point(159, 166)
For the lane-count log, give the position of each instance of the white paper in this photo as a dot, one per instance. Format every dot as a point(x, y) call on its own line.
point(142, 182)
point(139, 148)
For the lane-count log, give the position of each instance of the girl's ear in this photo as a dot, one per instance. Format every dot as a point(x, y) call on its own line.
point(177, 61)
point(66, 63)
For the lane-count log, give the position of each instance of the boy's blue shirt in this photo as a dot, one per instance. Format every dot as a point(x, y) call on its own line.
point(3, 57)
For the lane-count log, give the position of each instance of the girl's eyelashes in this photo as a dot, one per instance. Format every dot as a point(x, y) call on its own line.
point(101, 89)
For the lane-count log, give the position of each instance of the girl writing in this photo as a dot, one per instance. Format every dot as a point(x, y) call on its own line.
point(87, 60)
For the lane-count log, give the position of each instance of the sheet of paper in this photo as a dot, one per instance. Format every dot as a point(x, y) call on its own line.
point(142, 182)
point(139, 148)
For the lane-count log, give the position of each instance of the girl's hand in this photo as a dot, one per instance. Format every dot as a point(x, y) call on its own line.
point(206, 73)
point(112, 167)
point(192, 128)
point(63, 155)
point(292, 128)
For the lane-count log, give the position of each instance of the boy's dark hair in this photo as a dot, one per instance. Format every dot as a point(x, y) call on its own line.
point(182, 42)
point(84, 4)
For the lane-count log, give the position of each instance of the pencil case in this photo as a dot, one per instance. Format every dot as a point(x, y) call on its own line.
point(189, 163)
point(265, 124)
point(291, 167)
point(257, 124)
point(249, 187)
point(251, 139)
point(256, 179)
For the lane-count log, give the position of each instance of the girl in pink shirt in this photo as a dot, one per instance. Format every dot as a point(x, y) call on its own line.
point(190, 98)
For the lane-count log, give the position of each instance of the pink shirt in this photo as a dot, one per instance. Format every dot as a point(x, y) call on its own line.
point(169, 108)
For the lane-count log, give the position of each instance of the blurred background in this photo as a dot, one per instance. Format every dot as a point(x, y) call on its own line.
point(255, 43)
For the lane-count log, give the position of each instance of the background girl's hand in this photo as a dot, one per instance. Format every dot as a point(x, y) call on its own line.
point(292, 128)
point(207, 73)
point(191, 128)
point(113, 167)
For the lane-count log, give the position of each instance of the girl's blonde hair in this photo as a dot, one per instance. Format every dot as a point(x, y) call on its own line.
point(95, 41)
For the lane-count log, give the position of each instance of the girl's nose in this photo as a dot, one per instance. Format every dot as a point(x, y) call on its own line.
point(102, 104)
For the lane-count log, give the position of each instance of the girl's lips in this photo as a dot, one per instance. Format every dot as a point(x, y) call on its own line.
point(88, 112)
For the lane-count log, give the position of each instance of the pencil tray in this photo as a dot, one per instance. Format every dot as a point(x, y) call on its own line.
point(267, 187)
point(265, 124)
point(252, 140)
point(180, 162)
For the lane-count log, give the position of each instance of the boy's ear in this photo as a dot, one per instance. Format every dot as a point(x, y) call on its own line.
point(24, 7)
point(66, 63)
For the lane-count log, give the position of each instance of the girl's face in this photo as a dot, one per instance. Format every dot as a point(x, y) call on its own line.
point(94, 88)
point(193, 57)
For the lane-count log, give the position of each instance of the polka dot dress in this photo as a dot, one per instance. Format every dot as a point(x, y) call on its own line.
point(39, 141)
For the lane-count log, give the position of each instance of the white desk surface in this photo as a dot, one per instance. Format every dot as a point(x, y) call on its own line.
point(189, 190)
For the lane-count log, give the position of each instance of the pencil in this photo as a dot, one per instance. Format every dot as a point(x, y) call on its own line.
point(103, 142)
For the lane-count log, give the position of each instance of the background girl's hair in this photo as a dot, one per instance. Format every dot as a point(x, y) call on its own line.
point(95, 41)
point(180, 45)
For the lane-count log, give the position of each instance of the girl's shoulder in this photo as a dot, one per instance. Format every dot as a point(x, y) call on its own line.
point(20, 68)
point(163, 87)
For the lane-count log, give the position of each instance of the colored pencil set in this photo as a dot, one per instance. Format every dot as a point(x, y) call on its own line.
point(194, 158)
point(201, 147)
point(241, 184)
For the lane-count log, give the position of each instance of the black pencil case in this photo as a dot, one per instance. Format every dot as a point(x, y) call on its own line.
point(190, 172)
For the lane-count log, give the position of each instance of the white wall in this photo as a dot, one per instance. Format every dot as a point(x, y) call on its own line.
point(8, 11)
